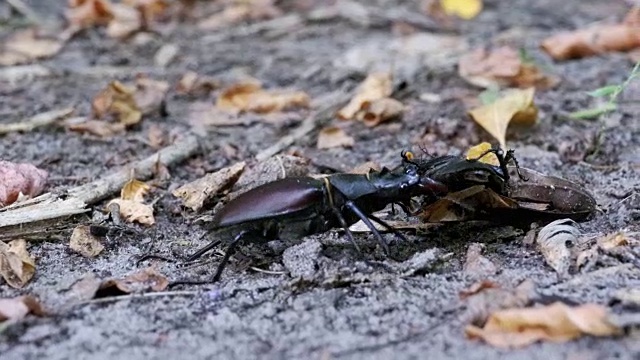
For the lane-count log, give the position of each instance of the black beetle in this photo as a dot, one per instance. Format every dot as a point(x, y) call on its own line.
point(294, 207)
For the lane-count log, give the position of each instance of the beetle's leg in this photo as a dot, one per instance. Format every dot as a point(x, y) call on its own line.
point(153, 256)
point(511, 157)
point(227, 254)
point(502, 160)
point(346, 229)
point(388, 227)
point(367, 222)
point(203, 250)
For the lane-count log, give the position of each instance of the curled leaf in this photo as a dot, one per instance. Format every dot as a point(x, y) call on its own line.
point(131, 205)
point(251, 97)
point(85, 243)
point(148, 279)
point(515, 106)
point(134, 190)
point(16, 265)
point(375, 87)
point(381, 110)
point(117, 100)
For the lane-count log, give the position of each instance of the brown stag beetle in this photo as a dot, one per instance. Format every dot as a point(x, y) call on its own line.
point(458, 173)
point(291, 208)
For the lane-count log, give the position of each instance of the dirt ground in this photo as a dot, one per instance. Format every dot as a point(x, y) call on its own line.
point(347, 307)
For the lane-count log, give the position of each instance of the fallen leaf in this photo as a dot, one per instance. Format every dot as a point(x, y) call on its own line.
point(148, 279)
point(381, 110)
point(83, 289)
point(117, 100)
point(502, 67)
point(513, 328)
point(193, 83)
point(474, 153)
point(126, 21)
point(365, 168)
point(16, 179)
point(271, 169)
point(515, 106)
point(375, 87)
point(149, 10)
point(464, 9)
point(97, 127)
point(251, 97)
point(614, 240)
point(149, 94)
point(156, 136)
point(242, 11)
point(16, 265)
point(28, 45)
point(84, 243)
point(596, 39)
point(195, 194)
point(17, 308)
point(134, 190)
point(485, 297)
point(88, 13)
point(333, 136)
point(554, 242)
point(477, 264)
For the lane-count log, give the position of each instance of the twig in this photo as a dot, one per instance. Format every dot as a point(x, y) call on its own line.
point(139, 296)
point(25, 10)
point(328, 108)
point(41, 119)
point(42, 210)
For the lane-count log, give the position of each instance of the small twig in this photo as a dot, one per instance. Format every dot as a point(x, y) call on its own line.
point(39, 120)
point(257, 269)
point(138, 296)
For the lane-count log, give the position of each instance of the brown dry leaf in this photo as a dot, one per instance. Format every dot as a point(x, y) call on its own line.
point(156, 136)
point(596, 39)
point(515, 106)
point(126, 21)
point(381, 110)
point(502, 67)
point(148, 279)
point(17, 308)
point(193, 83)
point(242, 11)
point(477, 264)
point(251, 97)
point(134, 190)
point(117, 100)
point(443, 209)
point(88, 13)
point(16, 179)
point(474, 153)
point(196, 193)
point(365, 168)
point(133, 211)
point(28, 45)
point(513, 328)
point(99, 128)
point(84, 243)
point(486, 297)
point(613, 241)
point(375, 87)
point(16, 265)
point(150, 94)
point(149, 9)
point(202, 115)
point(333, 136)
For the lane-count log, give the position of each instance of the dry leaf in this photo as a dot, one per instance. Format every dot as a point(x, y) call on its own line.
point(126, 21)
point(486, 297)
point(196, 193)
point(117, 100)
point(515, 106)
point(88, 13)
point(596, 39)
point(613, 241)
point(502, 67)
point(477, 264)
point(144, 280)
point(512, 328)
point(84, 243)
point(193, 83)
point(16, 265)
point(375, 87)
point(365, 168)
point(149, 10)
point(16, 179)
point(134, 190)
point(271, 169)
point(149, 94)
point(156, 136)
point(333, 136)
point(464, 9)
point(474, 153)
point(17, 308)
point(203, 114)
point(381, 110)
point(251, 97)
point(99, 128)
point(28, 45)
point(133, 211)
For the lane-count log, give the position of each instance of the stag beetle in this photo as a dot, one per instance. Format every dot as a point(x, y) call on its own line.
point(294, 207)
point(458, 173)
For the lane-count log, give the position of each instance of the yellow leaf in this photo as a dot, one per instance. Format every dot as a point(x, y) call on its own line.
point(474, 153)
point(465, 9)
point(134, 190)
point(332, 136)
point(133, 211)
point(515, 106)
point(376, 86)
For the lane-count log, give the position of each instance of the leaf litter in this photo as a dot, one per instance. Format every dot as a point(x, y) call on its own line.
point(131, 203)
point(17, 267)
